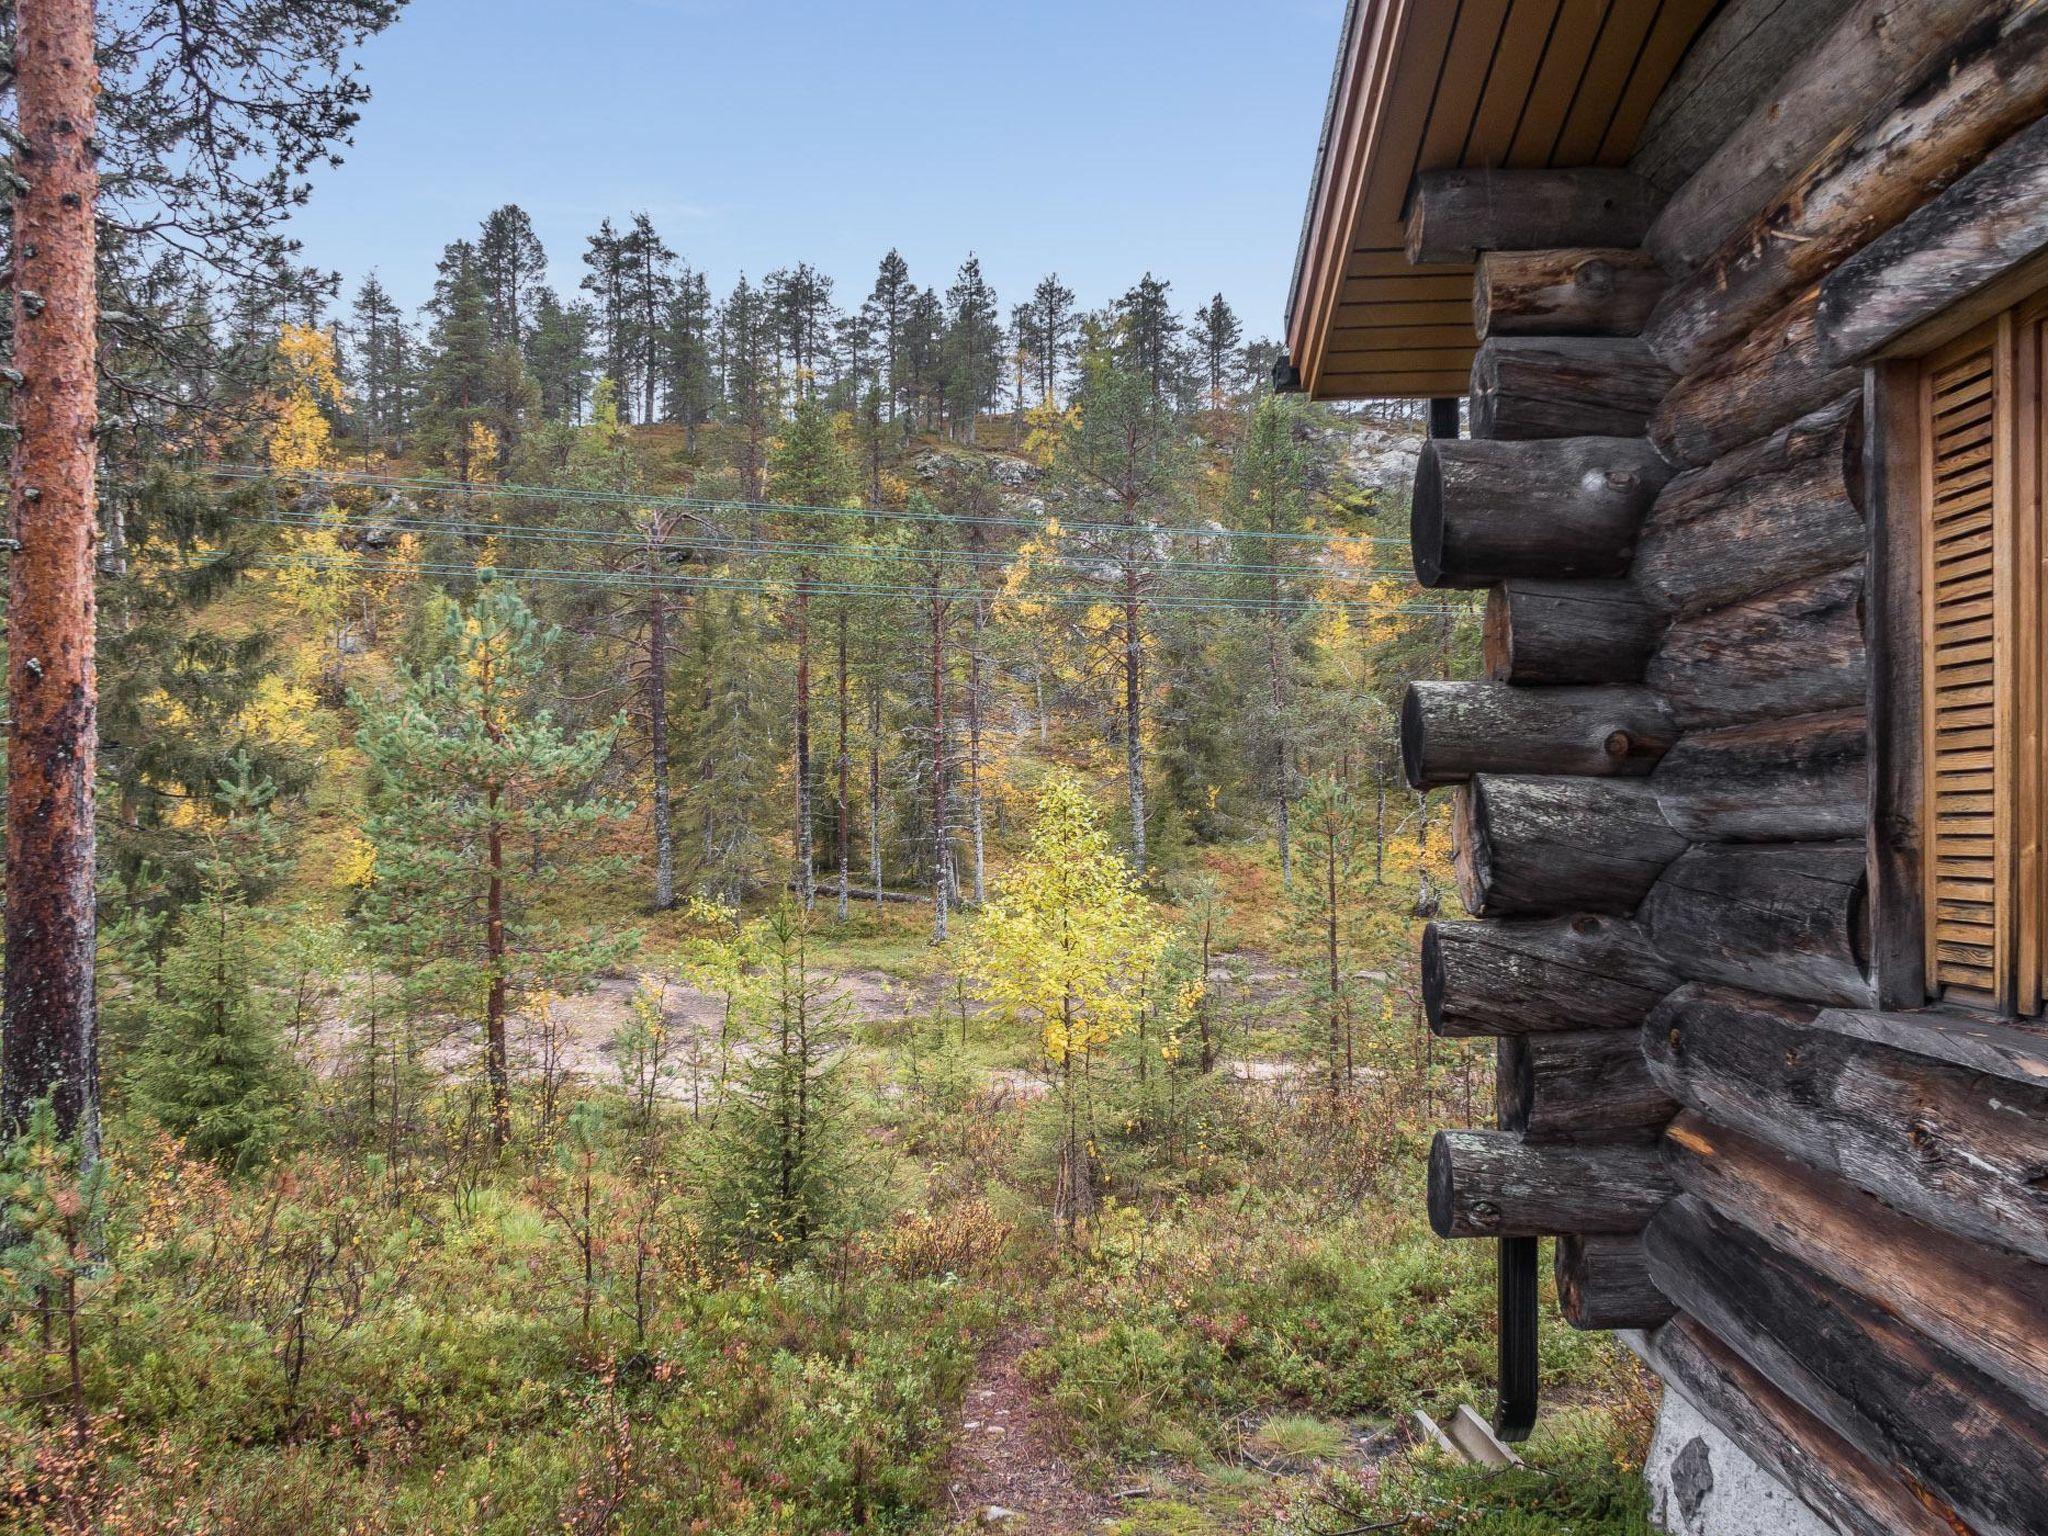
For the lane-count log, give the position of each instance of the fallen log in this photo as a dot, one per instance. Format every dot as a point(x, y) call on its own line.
point(1565, 386)
point(1487, 511)
point(1493, 1184)
point(1803, 779)
point(1584, 1086)
point(1536, 846)
point(1570, 973)
point(1565, 293)
point(1767, 514)
point(1773, 374)
point(1455, 214)
point(1990, 84)
point(1978, 232)
point(1604, 1282)
point(1797, 650)
point(1955, 1149)
point(1781, 918)
point(1450, 731)
point(1915, 1271)
point(1567, 632)
point(1970, 1444)
point(1862, 1496)
point(1872, 55)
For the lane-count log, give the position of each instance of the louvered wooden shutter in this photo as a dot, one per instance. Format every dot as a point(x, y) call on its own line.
point(1967, 502)
point(1982, 502)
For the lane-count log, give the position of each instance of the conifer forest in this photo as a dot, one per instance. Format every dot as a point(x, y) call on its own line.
point(728, 902)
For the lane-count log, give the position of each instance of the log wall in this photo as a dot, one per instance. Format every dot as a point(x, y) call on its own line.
point(1835, 1219)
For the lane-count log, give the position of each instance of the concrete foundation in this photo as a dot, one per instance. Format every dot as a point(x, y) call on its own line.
point(1703, 1484)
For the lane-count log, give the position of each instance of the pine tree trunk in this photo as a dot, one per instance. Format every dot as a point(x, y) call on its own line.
point(496, 1066)
point(52, 688)
point(1276, 678)
point(657, 731)
point(875, 789)
point(1336, 972)
point(840, 823)
point(805, 875)
point(939, 830)
point(974, 753)
point(1134, 741)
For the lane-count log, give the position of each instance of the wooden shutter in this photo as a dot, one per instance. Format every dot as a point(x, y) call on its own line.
point(1981, 708)
point(1967, 909)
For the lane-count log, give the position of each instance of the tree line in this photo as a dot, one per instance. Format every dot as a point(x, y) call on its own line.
point(498, 346)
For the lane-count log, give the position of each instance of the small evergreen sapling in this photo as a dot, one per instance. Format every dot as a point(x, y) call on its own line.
point(469, 772)
point(211, 1069)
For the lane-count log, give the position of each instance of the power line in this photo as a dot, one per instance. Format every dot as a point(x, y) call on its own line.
point(636, 581)
point(701, 505)
point(740, 545)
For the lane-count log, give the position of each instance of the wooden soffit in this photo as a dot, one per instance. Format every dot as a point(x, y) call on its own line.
point(1425, 85)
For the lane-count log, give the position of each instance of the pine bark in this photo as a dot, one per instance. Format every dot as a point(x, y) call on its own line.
point(841, 830)
point(806, 876)
point(940, 832)
point(49, 1031)
point(657, 734)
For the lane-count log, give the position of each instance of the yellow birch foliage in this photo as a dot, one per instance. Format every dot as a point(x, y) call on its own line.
point(1067, 941)
point(300, 438)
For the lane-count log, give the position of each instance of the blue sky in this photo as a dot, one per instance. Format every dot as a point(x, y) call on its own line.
point(1095, 137)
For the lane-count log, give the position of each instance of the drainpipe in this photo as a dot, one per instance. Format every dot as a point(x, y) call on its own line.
point(1515, 1286)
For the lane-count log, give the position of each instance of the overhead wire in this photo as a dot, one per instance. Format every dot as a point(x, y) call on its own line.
point(640, 581)
point(431, 485)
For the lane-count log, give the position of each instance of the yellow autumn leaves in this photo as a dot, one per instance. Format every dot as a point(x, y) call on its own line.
point(1069, 943)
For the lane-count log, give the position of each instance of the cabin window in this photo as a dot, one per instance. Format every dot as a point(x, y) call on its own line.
point(1982, 541)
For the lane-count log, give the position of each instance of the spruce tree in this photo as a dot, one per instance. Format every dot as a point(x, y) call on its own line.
point(809, 474)
point(1150, 334)
point(779, 1177)
point(1218, 334)
point(973, 356)
point(211, 1068)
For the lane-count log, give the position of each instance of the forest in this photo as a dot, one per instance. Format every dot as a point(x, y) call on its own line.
point(751, 907)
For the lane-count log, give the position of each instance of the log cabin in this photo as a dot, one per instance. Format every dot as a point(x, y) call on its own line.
point(1747, 305)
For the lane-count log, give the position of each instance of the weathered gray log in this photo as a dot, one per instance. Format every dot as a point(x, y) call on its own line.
point(1767, 514)
point(1956, 1149)
point(1864, 60)
point(1774, 373)
point(1565, 293)
point(1782, 918)
point(1977, 1043)
point(1734, 63)
point(1450, 731)
point(1604, 1282)
point(1796, 650)
point(1571, 973)
point(1992, 83)
point(1952, 250)
point(1493, 1184)
point(1803, 779)
point(1859, 1495)
point(1534, 846)
point(1893, 619)
point(1565, 386)
point(1486, 511)
point(1588, 1085)
point(1917, 1272)
point(1454, 215)
point(1565, 632)
point(1968, 1442)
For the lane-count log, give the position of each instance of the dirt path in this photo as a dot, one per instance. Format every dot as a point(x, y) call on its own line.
point(1008, 1473)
